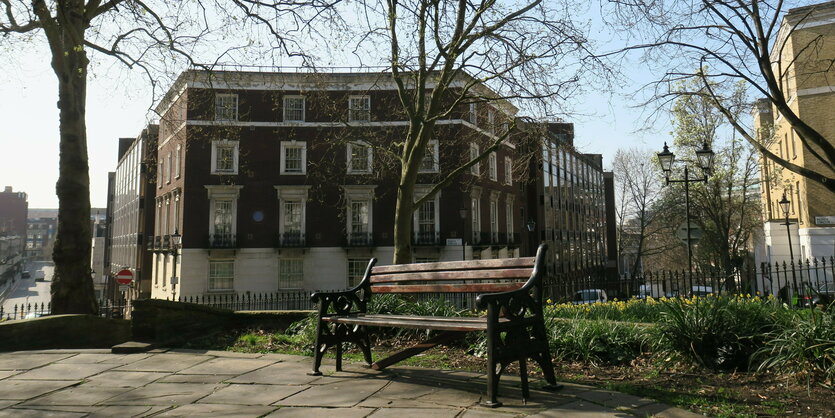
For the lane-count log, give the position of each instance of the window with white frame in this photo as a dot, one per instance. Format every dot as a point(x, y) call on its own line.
point(426, 220)
point(356, 270)
point(293, 157)
point(509, 220)
point(494, 220)
point(359, 108)
point(475, 210)
point(359, 214)
point(508, 170)
point(359, 157)
point(294, 108)
point(491, 120)
point(426, 217)
point(226, 106)
point(159, 174)
point(430, 163)
point(359, 217)
point(168, 164)
point(222, 216)
point(291, 227)
point(178, 160)
point(492, 169)
point(290, 273)
point(221, 275)
point(473, 116)
point(475, 169)
point(224, 157)
point(223, 207)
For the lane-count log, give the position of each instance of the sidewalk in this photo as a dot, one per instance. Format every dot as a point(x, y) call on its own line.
point(167, 383)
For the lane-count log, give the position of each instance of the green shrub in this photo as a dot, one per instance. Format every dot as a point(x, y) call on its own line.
point(597, 341)
point(633, 310)
point(805, 347)
point(718, 332)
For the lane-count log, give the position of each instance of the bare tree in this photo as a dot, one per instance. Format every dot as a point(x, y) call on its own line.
point(140, 34)
point(728, 204)
point(739, 40)
point(445, 55)
point(641, 215)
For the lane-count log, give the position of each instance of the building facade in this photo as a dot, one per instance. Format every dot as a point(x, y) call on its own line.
point(40, 238)
point(131, 214)
point(13, 211)
point(809, 37)
point(274, 182)
point(568, 191)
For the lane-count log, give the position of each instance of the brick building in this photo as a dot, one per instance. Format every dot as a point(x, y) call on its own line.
point(810, 93)
point(13, 212)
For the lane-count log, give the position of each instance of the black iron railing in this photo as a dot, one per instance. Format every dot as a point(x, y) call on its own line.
point(107, 309)
point(360, 239)
point(427, 238)
point(222, 241)
point(291, 239)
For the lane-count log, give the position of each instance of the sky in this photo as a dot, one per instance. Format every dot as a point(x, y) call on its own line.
point(118, 103)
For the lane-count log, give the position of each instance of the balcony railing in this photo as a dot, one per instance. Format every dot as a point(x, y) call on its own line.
point(360, 239)
point(512, 239)
point(427, 238)
point(166, 242)
point(149, 243)
point(222, 241)
point(291, 239)
point(157, 243)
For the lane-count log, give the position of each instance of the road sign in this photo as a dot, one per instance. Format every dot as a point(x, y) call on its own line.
point(454, 242)
point(695, 232)
point(124, 277)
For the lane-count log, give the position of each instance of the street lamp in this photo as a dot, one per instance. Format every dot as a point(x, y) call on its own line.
point(463, 214)
point(785, 205)
point(704, 159)
point(175, 246)
point(531, 225)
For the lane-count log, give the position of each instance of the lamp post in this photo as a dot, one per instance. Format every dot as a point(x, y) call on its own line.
point(463, 214)
point(531, 225)
point(785, 206)
point(704, 159)
point(175, 247)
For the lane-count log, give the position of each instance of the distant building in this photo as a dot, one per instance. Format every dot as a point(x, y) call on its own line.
point(13, 210)
point(40, 238)
point(131, 210)
point(809, 89)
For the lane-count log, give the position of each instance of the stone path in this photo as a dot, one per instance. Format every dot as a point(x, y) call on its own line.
point(172, 383)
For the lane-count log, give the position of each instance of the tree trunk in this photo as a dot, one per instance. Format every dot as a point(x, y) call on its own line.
point(403, 224)
point(72, 286)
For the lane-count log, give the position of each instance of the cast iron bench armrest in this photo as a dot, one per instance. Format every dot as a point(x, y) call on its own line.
point(345, 302)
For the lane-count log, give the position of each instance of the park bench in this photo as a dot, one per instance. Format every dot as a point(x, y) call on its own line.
point(509, 289)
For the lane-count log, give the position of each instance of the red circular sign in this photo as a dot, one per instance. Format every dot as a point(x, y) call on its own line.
point(124, 277)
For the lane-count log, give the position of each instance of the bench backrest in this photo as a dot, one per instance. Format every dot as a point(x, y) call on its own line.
point(475, 276)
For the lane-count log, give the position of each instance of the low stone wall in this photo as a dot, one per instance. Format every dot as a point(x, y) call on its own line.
point(63, 331)
point(166, 322)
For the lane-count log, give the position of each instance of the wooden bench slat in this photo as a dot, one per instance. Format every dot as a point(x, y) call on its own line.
point(518, 273)
point(446, 288)
point(415, 322)
point(456, 265)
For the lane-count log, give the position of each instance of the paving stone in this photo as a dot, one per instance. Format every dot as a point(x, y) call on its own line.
point(28, 389)
point(235, 366)
point(488, 413)
point(63, 371)
point(234, 354)
point(664, 411)
point(120, 379)
point(38, 413)
point(195, 378)
point(125, 358)
point(452, 398)
point(86, 358)
point(415, 412)
point(278, 374)
point(214, 411)
point(335, 395)
point(26, 361)
point(402, 390)
point(126, 411)
point(614, 399)
point(581, 409)
point(7, 403)
point(287, 357)
point(251, 394)
point(83, 395)
point(6, 373)
point(377, 402)
point(164, 394)
point(291, 412)
point(165, 362)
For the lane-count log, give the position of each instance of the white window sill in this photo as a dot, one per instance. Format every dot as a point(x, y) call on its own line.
point(224, 173)
point(283, 173)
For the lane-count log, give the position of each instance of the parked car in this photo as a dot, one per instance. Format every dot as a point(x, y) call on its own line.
point(700, 291)
point(40, 277)
point(586, 296)
point(25, 274)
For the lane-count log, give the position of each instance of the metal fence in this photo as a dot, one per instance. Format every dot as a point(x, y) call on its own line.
point(795, 282)
point(107, 309)
point(274, 301)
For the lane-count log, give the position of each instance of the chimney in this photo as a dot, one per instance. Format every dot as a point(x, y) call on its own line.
point(8, 189)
